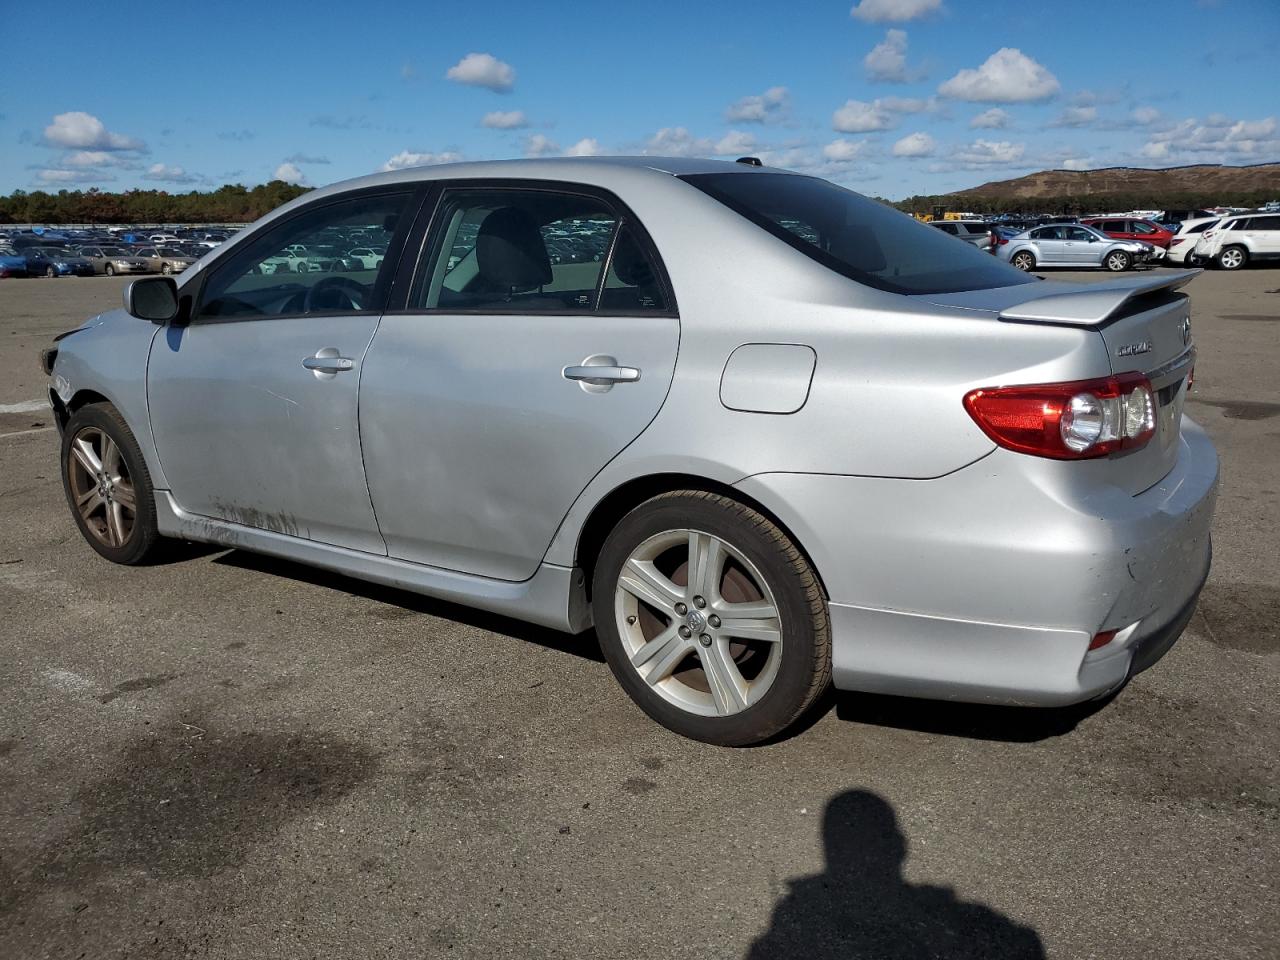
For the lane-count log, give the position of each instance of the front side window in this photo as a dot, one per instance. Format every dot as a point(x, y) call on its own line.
point(856, 237)
point(267, 277)
point(1143, 228)
point(534, 251)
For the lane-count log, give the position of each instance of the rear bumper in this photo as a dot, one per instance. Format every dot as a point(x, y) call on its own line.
point(988, 584)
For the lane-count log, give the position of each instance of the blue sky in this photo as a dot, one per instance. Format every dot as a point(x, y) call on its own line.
point(891, 97)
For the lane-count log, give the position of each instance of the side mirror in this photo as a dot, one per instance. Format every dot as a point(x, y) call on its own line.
point(152, 298)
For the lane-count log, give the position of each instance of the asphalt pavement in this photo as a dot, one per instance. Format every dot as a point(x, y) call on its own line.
point(232, 756)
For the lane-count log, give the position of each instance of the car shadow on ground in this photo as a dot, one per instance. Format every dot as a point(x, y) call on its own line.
point(974, 721)
point(861, 906)
point(582, 645)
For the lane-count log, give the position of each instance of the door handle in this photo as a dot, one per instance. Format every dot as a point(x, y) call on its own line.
point(328, 364)
point(602, 375)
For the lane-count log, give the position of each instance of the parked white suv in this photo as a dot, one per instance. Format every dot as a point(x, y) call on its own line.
point(1185, 235)
point(1239, 239)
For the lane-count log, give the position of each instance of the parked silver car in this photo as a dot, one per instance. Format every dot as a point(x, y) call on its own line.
point(762, 432)
point(977, 232)
point(1073, 245)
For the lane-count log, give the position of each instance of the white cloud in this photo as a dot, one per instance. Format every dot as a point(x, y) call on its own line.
point(989, 152)
point(71, 176)
point(586, 147)
point(915, 145)
point(1077, 163)
point(168, 174)
point(540, 145)
point(505, 120)
point(678, 142)
point(83, 131)
point(736, 143)
point(887, 61)
point(1145, 116)
point(893, 11)
point(1076, 117)
point(306, 158)
point(287, 172)
point(1007, 76)
point(407, 158)
point(993, 119)
point(844, 151)
point(88, 158)
point(907, 104)
point(483, 70)
point(1215, 138)
point(858, 116)
point(761, 108)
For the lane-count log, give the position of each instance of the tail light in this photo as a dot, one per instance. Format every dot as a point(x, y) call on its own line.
point(1067, 421)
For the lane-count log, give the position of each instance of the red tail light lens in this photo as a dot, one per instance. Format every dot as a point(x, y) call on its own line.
point(1100, 640)
point(1067, 421)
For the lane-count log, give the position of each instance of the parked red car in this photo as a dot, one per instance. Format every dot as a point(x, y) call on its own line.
point(1129, 228)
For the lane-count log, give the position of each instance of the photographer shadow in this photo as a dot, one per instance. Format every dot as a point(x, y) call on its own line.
point(862, 907)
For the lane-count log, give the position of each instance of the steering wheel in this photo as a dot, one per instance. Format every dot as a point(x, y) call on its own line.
point(334, 294)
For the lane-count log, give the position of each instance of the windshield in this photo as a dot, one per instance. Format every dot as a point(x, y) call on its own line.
point(856, 237)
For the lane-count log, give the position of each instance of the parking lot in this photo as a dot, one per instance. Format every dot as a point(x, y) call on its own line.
point(229, 755)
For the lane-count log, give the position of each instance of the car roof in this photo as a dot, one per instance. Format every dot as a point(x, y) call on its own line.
point(598, 170)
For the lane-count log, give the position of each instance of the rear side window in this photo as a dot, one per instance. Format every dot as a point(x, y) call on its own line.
point(856, 237)
point(1201, 227)
point(1264, 223)
point(507, 250)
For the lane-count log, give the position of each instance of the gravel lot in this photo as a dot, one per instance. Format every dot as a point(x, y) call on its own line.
point(231, 756)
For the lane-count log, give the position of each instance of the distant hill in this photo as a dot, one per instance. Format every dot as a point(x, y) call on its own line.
point(1201, 178)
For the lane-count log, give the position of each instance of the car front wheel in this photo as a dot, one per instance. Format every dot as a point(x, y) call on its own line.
point(711, 618)
point(107, 485)
point(1118, 261)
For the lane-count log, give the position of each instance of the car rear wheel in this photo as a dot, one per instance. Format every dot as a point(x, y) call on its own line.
point(1232, 258)
point(711, 619)
point(1024, 260)
point(1117, 261)
point(107, 485)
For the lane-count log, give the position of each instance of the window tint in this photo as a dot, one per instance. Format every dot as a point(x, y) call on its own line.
point(517, 251)
point(1077, 233)
point(857, 237)
point(950, 228)
point(632, 284)
point(1240, 224)
point(1201, 227)
point(1143, 228)
point(1264, 223)
point(1051, 233)
point(268, 278)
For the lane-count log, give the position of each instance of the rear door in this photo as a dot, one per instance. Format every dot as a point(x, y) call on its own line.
point(1052, 248)
point(1264, 236)
point(480, 415)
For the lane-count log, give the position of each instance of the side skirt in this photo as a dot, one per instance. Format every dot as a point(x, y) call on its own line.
point(554, 596)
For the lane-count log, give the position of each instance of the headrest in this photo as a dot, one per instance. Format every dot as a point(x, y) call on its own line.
point(629, 262)
point(510, 251)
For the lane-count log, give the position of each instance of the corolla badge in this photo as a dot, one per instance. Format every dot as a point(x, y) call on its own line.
point(1133, 349)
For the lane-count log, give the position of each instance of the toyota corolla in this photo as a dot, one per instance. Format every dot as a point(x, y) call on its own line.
point(763, 433)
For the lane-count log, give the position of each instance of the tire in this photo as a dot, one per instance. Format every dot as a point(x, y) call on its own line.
point(1117, 261)
point(109, 270)
point(166, 269)
point(774, 676)
point(50, 272)
point(1232, 258)
point(1024, 260)
point(104, 520)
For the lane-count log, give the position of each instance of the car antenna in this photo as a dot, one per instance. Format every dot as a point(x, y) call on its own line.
point(750, 161)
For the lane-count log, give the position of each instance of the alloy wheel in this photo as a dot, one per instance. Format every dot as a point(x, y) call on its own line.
point(1231, 258)
point(101, 487)
point(698, 622)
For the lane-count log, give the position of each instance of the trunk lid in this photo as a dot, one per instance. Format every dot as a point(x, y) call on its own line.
point(1145, 325)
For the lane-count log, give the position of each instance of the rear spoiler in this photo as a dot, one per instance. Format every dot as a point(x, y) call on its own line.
point(1094, 303)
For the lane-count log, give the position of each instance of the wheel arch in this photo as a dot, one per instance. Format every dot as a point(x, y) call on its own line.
point(621, 500)
point(81, 398)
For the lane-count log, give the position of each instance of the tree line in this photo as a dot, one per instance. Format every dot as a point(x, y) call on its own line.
point(1114, 201)
point(231, 203)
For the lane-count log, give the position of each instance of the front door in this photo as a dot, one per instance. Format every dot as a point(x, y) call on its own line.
point(539, 340)
point(254, 403)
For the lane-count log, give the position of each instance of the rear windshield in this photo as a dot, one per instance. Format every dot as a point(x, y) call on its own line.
point(858, 238)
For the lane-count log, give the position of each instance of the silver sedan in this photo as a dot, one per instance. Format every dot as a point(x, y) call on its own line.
point(764, 434)
point(1072, 245)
